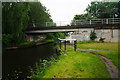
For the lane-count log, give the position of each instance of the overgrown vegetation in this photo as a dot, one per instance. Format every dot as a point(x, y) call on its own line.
point(41, 67)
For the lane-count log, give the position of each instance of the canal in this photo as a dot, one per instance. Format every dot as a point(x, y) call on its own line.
point(16, 63)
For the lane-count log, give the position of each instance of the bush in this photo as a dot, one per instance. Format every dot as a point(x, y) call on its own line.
point(55, 36)
point(7, 40)
point(101, 39)
point(93, 35)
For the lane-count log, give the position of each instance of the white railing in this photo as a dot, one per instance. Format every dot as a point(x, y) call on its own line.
point(79, 22)
point(97, 21)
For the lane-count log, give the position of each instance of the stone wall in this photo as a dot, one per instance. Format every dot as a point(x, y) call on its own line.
point(82, 34)
point(110, 35)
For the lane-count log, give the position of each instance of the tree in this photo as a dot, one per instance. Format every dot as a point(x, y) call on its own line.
point(17, 16)
point(82, 17)
point(103, 9)
point(38, 15)
point(93, 35)
point(98, 10)
point(15, 19)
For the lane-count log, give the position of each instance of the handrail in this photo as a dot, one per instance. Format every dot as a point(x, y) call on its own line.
point(79, 22)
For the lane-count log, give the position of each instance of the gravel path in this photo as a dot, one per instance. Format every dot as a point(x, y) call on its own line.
point(112, 69)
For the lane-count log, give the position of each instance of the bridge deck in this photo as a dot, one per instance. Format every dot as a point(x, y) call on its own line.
point(37, 30)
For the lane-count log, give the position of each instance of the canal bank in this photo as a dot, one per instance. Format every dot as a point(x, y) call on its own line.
point(20, 46)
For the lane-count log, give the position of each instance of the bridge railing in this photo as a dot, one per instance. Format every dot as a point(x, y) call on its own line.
point(77, 22)
point(97, 21)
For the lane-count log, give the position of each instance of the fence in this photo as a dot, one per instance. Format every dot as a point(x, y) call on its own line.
point(78, 22)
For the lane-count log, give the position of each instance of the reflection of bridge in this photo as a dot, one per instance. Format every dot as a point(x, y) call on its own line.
point(108, 23)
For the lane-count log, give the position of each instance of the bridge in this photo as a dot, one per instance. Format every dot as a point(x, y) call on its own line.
point(74, 25)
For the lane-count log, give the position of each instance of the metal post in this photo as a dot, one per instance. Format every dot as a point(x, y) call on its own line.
point(65, 44)
point(60, 44)
point(90, 22)
point(113, 20)
point(75, 46)
point(106, 21)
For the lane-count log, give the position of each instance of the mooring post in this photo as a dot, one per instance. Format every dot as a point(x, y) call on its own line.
point(60, 43)
point(75, 46)
point(65, 44)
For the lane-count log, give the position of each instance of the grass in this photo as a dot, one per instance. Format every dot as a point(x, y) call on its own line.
point(112, 48)
point(77, 64)
point(101, 46)
point(84, 42)
point(113, 55)
point(27, 43)
point(67, 36)
point(81, 64)
point(47, 40)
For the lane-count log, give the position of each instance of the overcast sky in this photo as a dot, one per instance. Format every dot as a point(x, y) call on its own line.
point(64, 10)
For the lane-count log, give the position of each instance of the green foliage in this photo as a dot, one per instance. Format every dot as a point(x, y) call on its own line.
point(27, 43)
point(101, 9)
point(7, 40)
point(41, 67)
point(93, 35)
point(101, 39)
point(14, 20)
point(55, 36)
point(82, 17)
point(17, 17)
point(38, 15)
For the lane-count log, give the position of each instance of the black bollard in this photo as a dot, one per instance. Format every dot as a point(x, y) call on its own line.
point(60, 44)
point(65, 44)
point(75, 46)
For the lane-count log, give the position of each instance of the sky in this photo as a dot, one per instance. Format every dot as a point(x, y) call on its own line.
point(65, 10)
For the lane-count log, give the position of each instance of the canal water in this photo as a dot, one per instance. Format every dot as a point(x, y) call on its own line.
point(16, 63)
